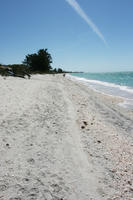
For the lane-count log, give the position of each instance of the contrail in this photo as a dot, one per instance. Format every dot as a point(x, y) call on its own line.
point(74, 4)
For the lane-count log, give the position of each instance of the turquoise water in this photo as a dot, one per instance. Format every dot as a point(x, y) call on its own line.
point(118, 78)
point(115, 83)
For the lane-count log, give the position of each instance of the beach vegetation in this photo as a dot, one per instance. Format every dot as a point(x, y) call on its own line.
point(59, 70)
point(39, 62)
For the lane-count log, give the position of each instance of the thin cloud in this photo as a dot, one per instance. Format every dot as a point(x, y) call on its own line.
point(74, 4)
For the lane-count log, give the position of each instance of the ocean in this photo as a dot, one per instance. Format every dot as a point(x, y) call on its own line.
point(115, 83)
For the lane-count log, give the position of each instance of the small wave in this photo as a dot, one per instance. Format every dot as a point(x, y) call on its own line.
point(107, 84)
point(110, 89)
point(127, 104)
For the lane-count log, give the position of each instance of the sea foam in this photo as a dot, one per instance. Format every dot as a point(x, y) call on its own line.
point(108, 88)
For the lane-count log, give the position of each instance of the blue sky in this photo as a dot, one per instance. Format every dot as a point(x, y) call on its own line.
point(28, 25)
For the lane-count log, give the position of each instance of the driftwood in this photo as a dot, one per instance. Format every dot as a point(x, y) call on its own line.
point(7, 71)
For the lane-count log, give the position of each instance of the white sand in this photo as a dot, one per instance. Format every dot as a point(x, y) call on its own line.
point(59, 140)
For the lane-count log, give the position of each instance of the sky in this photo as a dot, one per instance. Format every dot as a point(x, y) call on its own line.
point(81, 35)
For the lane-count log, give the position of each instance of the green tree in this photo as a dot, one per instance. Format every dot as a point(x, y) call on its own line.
point(60, 70)
point(40, 61)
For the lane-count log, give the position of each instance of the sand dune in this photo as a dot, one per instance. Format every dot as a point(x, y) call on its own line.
point(62, 141)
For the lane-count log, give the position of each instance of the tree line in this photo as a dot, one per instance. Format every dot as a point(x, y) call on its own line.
point(39, 62)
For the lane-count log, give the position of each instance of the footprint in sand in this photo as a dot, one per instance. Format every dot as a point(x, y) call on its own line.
point(32, 196)
point(3, 188)
point(56, 188)
point(15, 198)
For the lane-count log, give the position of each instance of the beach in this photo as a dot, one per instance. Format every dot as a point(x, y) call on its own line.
point(60, 140)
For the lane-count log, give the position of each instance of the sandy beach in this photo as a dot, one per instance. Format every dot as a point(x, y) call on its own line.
point(60, 140)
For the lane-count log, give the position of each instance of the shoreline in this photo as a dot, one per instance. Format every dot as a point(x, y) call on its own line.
point(124, 101)
point(62, 140)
